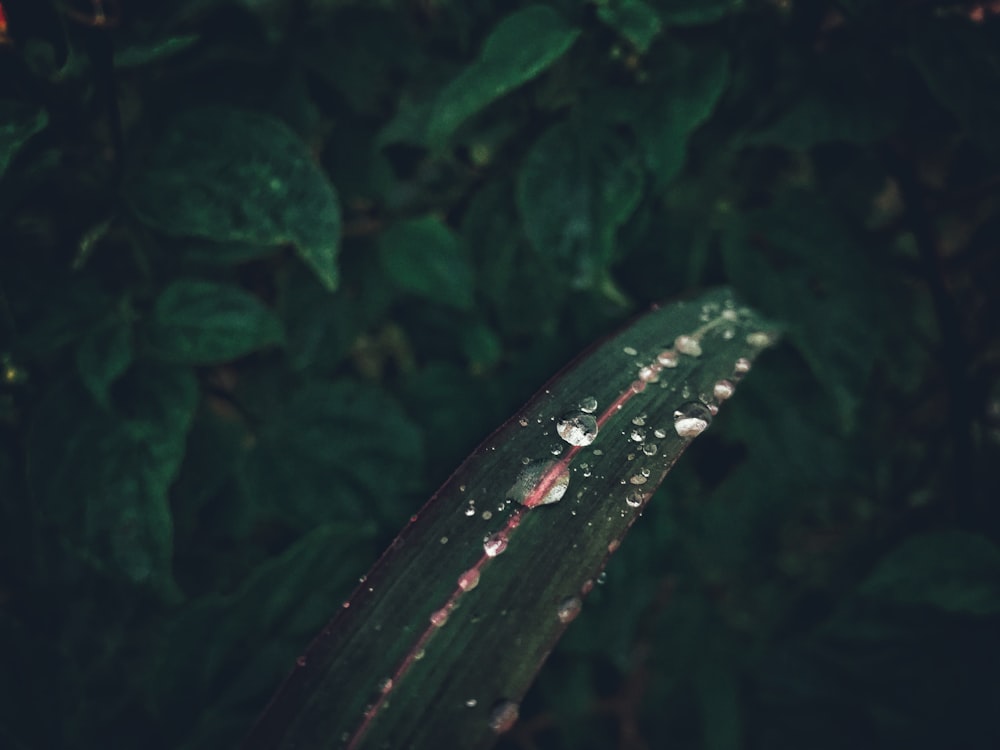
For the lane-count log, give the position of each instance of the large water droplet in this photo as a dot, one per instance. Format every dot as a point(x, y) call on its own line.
point(495, 544)
point(649, 449)
point(577, 428)
point(540, 483)
point(503, 716)
point(668, 358)
point(588, 404)
point(569, 608)
point(633, 500)
point(688, 345)
point(691, 418)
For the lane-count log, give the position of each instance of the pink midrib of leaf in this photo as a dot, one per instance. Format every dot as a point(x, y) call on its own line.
point(533, 499)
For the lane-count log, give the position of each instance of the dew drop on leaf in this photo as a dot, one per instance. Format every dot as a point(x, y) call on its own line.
point(649, 449)
point(494, 544)
point(722, 390)
point(667, 358)
point(633, 500)
point(540, 483)
point(588, 404)
point(691, 418)
point(469, 579)
point(503, 716)
point(688, 345)
point(577, 428)
point(568, 609)
point(439, 617)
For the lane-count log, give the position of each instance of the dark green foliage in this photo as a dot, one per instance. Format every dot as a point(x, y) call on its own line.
point(269, 271)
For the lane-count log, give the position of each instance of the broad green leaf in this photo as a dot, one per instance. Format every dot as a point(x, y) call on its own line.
point(574, 190)
point(237, 176)
point(334, 451)
point(790, 257)
point(954, 571)
point(519, 48)
point(18, 122)
point(695, 12)
point(500, 559)
point(960, 63)
point(424, 257)
point(692, 81)
point(103, 356)
point(633, 19)
point(199, 322)
point(102, 478)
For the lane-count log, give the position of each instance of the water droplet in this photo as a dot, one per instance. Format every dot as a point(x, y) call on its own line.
point(691, 418)
point(577, 428)
point(660, 433)
point(638, 386)
point(471, 703)
point(602, 578)
point(613, 546)
point(587, 586)
point(730, 314)
point(439, 617)
point(469, 579)
point(649, 373)
point(668, 358)
point(540, 483)
point(503, 716)
point(588, 404)
point(722, 390)
point(638, 435)
point(634, 499)
point(728, 334)
point(523, 421)
point(649, 449)
point(688, 345)
point(556, 449)
point(585, 469)
point(568, 609)
point(471, 510)
point(385, 685)
point(495, 544)
point(630, 351)
point(637, 479)
point(301, 661)
point(639, 420)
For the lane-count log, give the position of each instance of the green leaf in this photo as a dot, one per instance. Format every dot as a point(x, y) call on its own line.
point(18, 122)
point(695, 12)
point(103, 356)
point(573, 192)
point(633, 19)
point(102, 478)
point(201, 322)
point(235, 176)
point(521, 46)
point(955, 571)
point(424, 257)
point(496, 563)
point(334, 451)
point(692, 80)
point(960, 63)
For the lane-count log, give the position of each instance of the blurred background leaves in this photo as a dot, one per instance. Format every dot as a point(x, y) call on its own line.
point(269, 271)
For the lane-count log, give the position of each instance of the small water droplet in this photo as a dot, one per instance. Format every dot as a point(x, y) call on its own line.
point(630, 351)
point(469, 579)
point(439, 617)
point(728, 334)
point(638, 386)
point(588, 404)
point(722, 390)
point(556, 449)
point(688, 345)
point(691, 418)
point(668, 358)
point(528, 487)
point(730, 314)
point(471, 703)
point(585, 469)
point(495, 544)
point(568, 609)
point(602, 578)
point(638, 435)
point(598, 452)
point(634, 499)
point(587, 586)
point(649, 449)
point(577, 428)
point(471, 510)
point(503, 716)
point(523, 421)
point(385, 685)
point(649, 373)
point(301, 661)
point(639, 420)
point(613, 546)
point(660, 433)
point(420, 654)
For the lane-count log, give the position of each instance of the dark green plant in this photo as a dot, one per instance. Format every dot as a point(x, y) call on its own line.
point(270, 270)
